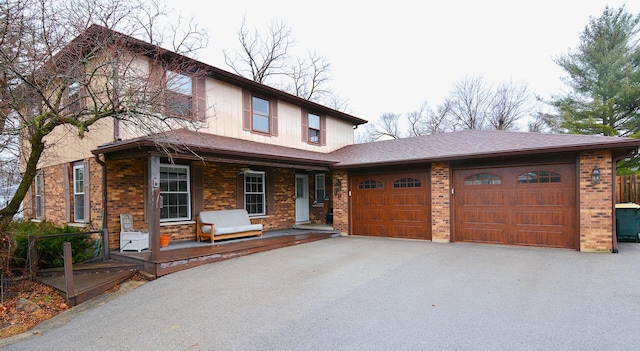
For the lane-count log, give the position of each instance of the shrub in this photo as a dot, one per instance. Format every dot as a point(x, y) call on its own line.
point(50, 250)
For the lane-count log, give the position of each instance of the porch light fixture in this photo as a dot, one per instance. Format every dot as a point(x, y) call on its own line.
point(595, 175)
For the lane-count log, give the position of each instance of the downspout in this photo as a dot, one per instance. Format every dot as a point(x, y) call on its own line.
point(105, 236)
point(614, 237)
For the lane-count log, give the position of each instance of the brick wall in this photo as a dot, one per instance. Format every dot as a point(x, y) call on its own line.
point(55, 206)
point(125, 184)
point(440, 203)
point(596, 213)
point(340, 199)
point(125, 194)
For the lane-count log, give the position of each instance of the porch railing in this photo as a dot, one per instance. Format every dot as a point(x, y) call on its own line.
point(101, 252)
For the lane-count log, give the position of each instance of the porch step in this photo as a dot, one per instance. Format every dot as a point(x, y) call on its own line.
point(93, 267)
point(174, 260)
point(88, 285)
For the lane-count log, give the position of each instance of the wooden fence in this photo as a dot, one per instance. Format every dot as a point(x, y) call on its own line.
point(627, 188)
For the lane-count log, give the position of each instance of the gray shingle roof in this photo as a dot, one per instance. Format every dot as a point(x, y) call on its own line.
point(451, 146)
point(471, 144)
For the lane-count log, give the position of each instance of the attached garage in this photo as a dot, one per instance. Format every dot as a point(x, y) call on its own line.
point(391, 205)
point(527, 205)
point(512, 188)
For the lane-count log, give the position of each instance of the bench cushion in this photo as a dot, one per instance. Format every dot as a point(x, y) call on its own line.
point(227, 221)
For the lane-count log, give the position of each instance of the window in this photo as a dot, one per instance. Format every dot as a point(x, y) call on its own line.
point(407, 183)
point(370, 184)
point(74, 100)
point(254, 199)
point(78, 193)
point(314, 128)
point(174, 191)
point(320, 191)
point(539, 177)
point(482, 179)
point(179, 94)
point(39, 196)
point(260, 114)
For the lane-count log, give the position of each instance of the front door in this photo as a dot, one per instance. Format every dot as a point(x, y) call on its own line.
point(302, 198)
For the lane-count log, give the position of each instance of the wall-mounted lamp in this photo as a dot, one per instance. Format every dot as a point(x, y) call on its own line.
point(595, 175)
point(337, 185)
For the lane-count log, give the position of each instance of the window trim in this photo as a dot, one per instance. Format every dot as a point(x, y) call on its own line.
point(78, 215)
point(317, 188)
point(187, 192)
point(262, 175)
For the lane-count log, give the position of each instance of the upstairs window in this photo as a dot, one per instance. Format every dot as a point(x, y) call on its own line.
point(260, 114)
point(74, 99)
point(179, 94)
point(482, 179)
point(314, 128)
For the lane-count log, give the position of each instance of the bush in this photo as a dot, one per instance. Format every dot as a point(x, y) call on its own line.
point(50, 250)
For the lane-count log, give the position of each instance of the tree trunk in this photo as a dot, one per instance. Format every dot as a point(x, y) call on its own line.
point(7, 213)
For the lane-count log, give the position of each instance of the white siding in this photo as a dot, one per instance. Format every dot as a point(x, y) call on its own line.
point(224, 117)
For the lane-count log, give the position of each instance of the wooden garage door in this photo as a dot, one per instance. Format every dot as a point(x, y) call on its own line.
point(391, 205)
point(533, 205)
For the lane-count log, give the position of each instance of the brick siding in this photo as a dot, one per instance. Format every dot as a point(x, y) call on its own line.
point(596, 213)
point(440, 203)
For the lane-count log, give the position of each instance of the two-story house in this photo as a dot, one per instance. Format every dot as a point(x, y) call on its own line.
point(282, 158)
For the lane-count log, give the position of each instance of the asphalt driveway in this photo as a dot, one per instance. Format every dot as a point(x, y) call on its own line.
point(358, 293)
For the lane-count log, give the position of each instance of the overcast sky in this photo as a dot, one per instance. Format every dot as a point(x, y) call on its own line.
point(392, 57)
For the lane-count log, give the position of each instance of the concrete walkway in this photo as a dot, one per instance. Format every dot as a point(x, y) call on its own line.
point(353, 293)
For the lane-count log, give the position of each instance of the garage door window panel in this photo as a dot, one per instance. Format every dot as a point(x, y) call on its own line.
point(370, 184)
point(539, 177)
point(483, 179)
point(407, 183)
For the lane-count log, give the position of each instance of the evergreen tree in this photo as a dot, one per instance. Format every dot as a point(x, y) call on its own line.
point(604, 77)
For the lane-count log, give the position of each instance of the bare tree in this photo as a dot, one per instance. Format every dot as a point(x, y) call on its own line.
point(470, 101)
point(262, 56)
point(387, 126)
point(428, 121)
point(267, 59)
point(511, 102)
point(62, 75)
point(310, 77)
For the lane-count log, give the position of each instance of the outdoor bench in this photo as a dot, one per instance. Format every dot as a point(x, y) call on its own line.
point(225, 224)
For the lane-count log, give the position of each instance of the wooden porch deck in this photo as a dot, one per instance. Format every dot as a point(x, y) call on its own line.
point(93, 279)
point(187, 254)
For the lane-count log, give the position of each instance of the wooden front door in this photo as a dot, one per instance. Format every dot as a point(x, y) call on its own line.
point(525, 205)
point(391, 205)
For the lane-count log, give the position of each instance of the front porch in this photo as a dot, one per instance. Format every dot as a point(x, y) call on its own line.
point(180, 255)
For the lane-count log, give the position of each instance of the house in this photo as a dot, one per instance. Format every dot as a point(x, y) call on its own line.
point(286, 160)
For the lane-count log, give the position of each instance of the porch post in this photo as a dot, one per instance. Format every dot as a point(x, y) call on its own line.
point(153, 206)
